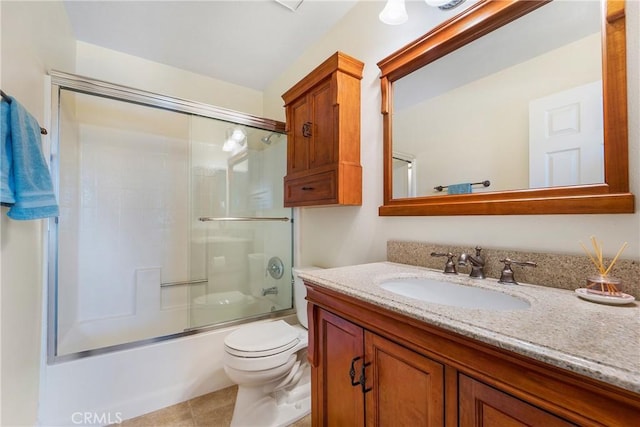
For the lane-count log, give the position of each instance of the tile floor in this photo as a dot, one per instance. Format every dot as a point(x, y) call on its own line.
point(210, 410)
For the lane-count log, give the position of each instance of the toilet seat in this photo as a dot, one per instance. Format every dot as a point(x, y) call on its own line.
point(262, 346)
point(262, 339)
point(263, 353)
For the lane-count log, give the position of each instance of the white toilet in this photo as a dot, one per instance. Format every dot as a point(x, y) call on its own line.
point(268, 361)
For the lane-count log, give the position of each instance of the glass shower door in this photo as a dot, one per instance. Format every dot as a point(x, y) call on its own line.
point(169, 221)
point(240, 230)
point(123, 229)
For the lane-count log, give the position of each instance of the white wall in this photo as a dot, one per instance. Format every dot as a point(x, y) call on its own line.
point(349, 235)
point(116, 67)
point(35, 37)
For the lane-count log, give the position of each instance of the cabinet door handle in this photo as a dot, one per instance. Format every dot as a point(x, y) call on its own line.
point(363, 379)
point(306, 129)
point(352, 371)
point(307, 188)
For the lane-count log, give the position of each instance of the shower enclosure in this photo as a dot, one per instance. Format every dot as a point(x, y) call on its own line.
point(171, 218)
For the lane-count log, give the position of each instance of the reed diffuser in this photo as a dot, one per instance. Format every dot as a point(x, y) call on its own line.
point(602, 283)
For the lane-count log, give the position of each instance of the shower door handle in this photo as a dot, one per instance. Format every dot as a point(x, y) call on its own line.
point(306, 129)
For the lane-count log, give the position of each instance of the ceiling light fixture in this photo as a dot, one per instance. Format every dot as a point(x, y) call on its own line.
point(395, 12)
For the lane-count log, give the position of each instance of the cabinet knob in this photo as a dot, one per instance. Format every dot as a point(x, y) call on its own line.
point(306, 129)
point(307, 188)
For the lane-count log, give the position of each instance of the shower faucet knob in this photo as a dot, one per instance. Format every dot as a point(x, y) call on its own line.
point(275, 267)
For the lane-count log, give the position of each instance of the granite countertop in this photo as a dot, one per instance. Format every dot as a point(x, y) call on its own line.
point(596, 340)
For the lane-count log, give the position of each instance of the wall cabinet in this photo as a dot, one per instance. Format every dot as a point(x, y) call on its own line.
point(323, 135)
point(371, 366)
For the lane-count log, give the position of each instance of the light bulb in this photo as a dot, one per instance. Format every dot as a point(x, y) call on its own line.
point(394, 13)
point(237, 135)
point(229, 145)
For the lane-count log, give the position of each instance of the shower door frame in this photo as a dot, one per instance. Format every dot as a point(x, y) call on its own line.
point(86, 85)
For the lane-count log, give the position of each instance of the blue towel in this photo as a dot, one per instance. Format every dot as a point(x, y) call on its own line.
point(6, 163)
point(25, 180)
point(464, 188)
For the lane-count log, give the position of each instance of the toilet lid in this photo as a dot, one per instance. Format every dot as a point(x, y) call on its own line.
point(262, 339)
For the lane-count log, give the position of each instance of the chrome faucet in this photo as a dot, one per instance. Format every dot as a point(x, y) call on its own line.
point(477, 263)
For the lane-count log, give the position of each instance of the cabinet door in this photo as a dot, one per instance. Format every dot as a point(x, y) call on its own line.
point(407, 389)
point(482, 405)
point(322, 148)
point(338, 343)
point(297, 143)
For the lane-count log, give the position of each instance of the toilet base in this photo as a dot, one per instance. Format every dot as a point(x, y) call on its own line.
point(276, 409)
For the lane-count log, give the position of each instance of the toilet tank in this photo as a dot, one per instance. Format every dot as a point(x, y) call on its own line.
point(299, 294)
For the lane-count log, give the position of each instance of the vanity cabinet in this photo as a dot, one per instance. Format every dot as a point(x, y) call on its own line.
point(372, 366)
point(369, 380)
point(484, 406)
point(323, 135)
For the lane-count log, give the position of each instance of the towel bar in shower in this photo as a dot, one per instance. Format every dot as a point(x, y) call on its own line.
point(244, 218)
point(184, 282)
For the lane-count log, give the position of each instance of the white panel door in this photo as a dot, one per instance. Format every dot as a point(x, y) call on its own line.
point(566, 138)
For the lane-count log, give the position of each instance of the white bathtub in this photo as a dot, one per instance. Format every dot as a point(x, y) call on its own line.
point(125, 384)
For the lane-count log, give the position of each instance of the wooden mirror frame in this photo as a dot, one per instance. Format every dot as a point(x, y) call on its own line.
point(483, 17)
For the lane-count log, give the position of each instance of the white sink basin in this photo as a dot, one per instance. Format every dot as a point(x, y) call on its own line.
point(453, 294)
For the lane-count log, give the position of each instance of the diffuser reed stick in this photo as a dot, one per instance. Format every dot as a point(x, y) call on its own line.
point(615, 259)
point(606, 285)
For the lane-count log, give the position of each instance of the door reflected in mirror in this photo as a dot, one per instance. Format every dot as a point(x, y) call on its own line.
point(404, 171)
point(520, 107)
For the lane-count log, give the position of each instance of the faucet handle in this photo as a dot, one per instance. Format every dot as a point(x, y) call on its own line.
point(450, 266)
point(507, 273)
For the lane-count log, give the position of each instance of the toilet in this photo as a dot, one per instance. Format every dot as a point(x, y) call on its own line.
point(268, 361)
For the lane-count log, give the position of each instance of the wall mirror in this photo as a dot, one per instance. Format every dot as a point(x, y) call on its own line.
point(510, 107)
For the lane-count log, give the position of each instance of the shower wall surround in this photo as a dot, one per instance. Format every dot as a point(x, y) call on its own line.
point(553, 270)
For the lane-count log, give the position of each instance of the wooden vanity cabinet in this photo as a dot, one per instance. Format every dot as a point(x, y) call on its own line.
point(484, 406)
point(323, 135)
point(374, 367)
point(399, 386)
